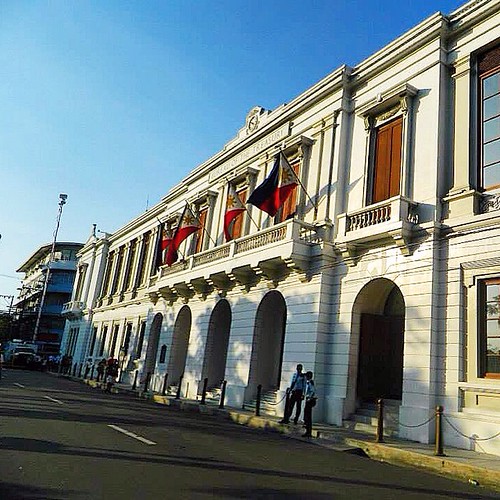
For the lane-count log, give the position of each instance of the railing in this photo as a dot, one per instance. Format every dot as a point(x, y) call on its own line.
point(395, 210)
point(372, 216)
point(287, 230)
point(71, 307)
point(174, 268)
point(264, 238)
point(212, 255)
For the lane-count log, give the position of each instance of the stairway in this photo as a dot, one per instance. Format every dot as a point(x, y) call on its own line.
point(364, 419)
point(268, 404)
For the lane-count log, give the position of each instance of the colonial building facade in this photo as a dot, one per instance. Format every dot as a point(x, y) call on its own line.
point(380, 272)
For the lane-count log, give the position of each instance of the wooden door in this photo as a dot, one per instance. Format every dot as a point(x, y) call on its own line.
point(380, 366)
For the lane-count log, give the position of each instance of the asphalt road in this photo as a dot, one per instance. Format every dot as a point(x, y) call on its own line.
point(60, 439)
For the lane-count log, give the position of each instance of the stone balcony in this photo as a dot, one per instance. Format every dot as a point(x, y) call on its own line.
point(271, 254)
point(393, 219)
point(73, 309)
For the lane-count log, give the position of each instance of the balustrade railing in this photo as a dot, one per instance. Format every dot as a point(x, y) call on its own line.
point(261, 239)
point(212, 255)
point(370, 217)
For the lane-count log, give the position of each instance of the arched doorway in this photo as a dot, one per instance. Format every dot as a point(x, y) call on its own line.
point(214, 361)
point(380, 309)
point(180, 343)
point(152, 350)
point(267, 345)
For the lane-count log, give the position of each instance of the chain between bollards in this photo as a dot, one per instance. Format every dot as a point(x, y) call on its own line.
point(222, 394)
point(439, 432)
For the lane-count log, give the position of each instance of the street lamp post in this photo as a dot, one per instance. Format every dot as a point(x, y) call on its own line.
point(62, 202)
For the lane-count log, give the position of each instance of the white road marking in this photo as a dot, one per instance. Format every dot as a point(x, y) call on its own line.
point(131, 434)
point(19, 385)
point(55, 400)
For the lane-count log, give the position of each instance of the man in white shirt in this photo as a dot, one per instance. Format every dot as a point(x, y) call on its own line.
point(297, 388)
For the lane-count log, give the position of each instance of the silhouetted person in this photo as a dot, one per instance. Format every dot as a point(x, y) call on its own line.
point(296, 390)
point(311, 398)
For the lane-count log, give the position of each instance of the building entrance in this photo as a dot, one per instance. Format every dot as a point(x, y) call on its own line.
point(381, 339)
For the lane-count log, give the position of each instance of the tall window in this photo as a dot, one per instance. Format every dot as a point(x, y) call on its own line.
point(490, 329)
point(140, 343)
point(92, 342)
point(200, 237)
point(103, 340)
point(126, 340)
point(144, 258)
point(238, 221)
point(387, 161)
point(82, 271)
point(130, 265)
point(118, 270)
point(114, 339)
point(289, 208)
point(489, 80)
point(107, 276)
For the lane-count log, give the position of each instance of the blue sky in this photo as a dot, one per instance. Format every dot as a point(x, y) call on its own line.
point(114, 102)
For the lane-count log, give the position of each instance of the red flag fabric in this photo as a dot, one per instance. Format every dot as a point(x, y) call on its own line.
point(272, 193)
point(234, 207)
point(164, 244)
point(188, 224)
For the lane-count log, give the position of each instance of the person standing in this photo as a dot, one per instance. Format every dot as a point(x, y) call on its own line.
point(311, 399)
point(296, 391)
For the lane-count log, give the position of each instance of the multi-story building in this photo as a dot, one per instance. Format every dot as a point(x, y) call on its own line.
point(39, 309)
point(380, 272)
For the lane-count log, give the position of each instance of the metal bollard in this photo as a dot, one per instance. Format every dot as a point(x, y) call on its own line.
point(134, 385)
point(74, 369)
point(222, 394)
point(92, 373)
point(204, 392)
point(178, 395)
point(257, 403)
point(80, 370)
point(287, 403)
point(379, 436)
point(146, 382)
point(439, 432)
point(164, 388)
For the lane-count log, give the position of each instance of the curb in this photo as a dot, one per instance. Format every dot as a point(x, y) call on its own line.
point(383, 452)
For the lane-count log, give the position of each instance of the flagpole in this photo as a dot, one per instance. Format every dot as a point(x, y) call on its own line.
point(250, 217)
point(298, 180)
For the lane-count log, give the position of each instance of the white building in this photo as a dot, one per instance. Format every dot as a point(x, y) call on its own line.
point(381, 273)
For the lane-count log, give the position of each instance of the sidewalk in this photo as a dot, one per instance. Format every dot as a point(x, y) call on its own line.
point(476, 468)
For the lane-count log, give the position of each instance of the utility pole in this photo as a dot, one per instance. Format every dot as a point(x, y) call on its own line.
point(62, 202)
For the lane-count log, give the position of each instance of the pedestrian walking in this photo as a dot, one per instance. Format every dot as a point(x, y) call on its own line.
point(296, 392)
point(101, 366)
point(88, 367)
point(311, 399)
point(111, 373)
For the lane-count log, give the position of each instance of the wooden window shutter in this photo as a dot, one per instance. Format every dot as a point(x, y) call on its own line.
point(290, 205)
point(238, 221)
point(202, 217)
point(387, 165)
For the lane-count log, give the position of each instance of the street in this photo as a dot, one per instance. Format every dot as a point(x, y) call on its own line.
point(61, 439)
